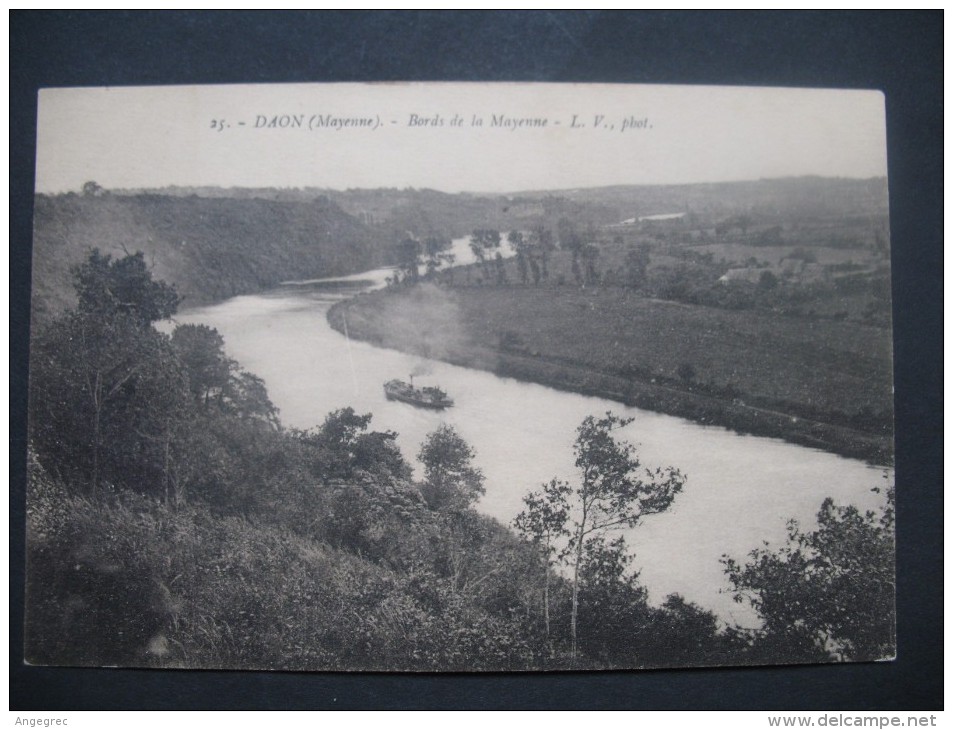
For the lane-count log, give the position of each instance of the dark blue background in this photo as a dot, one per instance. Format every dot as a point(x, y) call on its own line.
point(898, 53)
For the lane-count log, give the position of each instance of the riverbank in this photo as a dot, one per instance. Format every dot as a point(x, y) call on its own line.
point(744, 372)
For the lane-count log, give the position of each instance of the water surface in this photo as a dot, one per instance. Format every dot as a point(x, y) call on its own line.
point(740, 490)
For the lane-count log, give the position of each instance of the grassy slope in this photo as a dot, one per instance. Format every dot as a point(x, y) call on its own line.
point(828, 364)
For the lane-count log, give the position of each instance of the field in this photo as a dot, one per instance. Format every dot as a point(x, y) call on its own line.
point(830, 365)
point(824, 382)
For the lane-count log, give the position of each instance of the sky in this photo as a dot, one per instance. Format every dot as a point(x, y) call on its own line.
point(532, 136)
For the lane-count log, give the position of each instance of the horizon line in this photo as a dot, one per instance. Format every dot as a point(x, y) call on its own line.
point(412, 188)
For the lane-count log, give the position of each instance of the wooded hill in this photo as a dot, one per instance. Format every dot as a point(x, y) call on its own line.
point(213, 243)
point(790, 196)
point(425, 212)
point(225, 242)
point(462, 212)
point(209, 248)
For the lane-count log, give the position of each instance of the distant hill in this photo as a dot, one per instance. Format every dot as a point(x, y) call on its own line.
point(422, 211)
point(814, 196)
point(213, 243)
point(425, 211)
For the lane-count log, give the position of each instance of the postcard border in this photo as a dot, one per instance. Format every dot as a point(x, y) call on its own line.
point(834, 50)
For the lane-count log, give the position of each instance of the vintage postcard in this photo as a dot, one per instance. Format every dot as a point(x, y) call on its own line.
point(460, 377)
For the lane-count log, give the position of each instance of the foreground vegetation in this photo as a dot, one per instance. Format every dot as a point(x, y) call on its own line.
point(173, 522)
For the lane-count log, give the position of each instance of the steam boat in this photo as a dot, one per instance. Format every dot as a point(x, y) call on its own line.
point(421, 397)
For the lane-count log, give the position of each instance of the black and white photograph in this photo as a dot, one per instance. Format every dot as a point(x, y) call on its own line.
point(460, 377)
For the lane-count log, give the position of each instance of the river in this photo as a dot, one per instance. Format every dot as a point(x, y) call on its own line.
point(740, 490)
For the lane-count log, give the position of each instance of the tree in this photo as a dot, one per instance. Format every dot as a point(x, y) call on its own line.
point(217, 380)
point(613, 606)
point(569, 238)
point(106, 393)
point(201, 349)
point(107, 387)
point(105, 286)
point(542, 244)
point(636, 265)
point(828, 593)
point(676, 284)
point(518, 242)
point(614, 492)
point(435, 248)
point(344, 446)
point(500, 269)
point(538, 273)
point(521, 266)
point(146, 436)
point(408, 251)
point(248, 398)
point(477, 248)
point(681, 634)
point(543, 523)
point(450, 486)
point(451, 482)
point(767, 281)
point(481, 241)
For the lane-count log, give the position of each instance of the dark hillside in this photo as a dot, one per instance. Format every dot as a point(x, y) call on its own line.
point(422, 211)
point(210, 248)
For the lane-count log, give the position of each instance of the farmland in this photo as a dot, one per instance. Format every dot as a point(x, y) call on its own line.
point(771, 320)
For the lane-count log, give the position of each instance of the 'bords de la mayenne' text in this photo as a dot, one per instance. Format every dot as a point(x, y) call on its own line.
point(496, 120)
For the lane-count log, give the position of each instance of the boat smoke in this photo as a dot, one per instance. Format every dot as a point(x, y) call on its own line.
point(427, 322)
point(421, 368)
